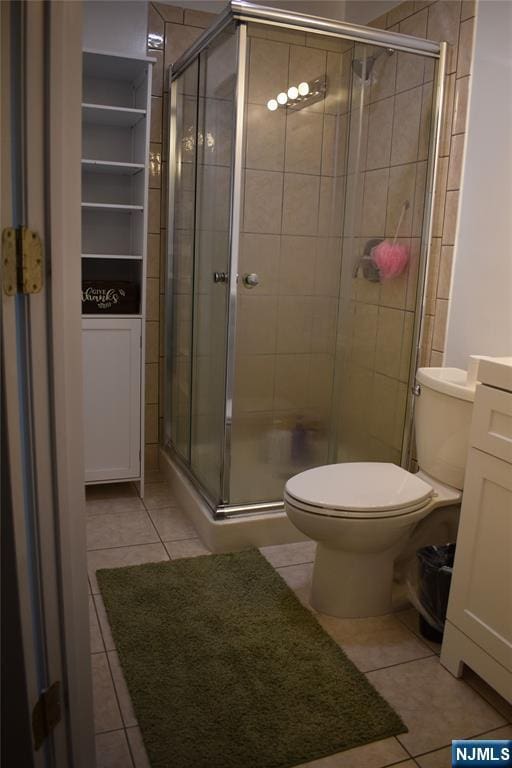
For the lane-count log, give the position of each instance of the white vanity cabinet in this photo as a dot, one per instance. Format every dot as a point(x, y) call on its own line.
point(478, 629)
point(116, 99)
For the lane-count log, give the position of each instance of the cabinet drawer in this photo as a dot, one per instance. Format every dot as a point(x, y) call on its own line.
point(491, 426)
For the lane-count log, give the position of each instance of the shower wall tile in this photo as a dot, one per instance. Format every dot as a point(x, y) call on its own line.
point(400, 12)
point(455, 164)
point(401, 190)
point(445, 272)
point(292, 382)
point(425, 121)
point(380, 128)
point(298, 256)
point(197, 18)
point(303, 142)
point(440, 197)
point(257, 324)
point(466, 48)
point(265, 138)
point(439, 331)
point(178, 38)
point(323, 319)
point(307, 64)
point(406, 125)
point(261, 254)
point(374, 207)
point(300, 204)
point(383, 85)
point(263, 200)
point(158, 72)
point(156, 119)
point(444, 24)
point(334, 145)
point(432, 276)
point(156, 29)
point(151, 388)
point(169, 12)
point(294, 325)
point(388, 347)
point(331, 206)
point(268, 70)
point(448, 107)
point(450, 218)
point(276, 34)
point(393, 293)
point(460, 109)
point(338, 83)
point(327, 267)
point(254, 382)
point(153, 256)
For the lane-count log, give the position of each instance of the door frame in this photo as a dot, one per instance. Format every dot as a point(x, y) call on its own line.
point(45, 452)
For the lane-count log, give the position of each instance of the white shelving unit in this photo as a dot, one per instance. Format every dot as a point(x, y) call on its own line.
point(116, 104)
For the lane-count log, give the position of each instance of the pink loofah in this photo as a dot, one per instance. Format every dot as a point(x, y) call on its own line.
point(390, 258)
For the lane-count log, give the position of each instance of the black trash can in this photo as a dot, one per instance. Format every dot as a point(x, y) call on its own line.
point(434, 579)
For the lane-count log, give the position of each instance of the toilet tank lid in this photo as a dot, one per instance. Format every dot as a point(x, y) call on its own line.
point(449, 381)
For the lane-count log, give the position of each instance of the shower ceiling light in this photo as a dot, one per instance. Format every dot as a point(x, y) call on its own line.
point(303, 89)
point(272, 105)
point(293, 92)
point(282, 97)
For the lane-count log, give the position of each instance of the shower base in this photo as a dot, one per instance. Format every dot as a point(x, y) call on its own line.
point(260, 529)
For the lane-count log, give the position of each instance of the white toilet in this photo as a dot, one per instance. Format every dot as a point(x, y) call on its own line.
point(365, 516)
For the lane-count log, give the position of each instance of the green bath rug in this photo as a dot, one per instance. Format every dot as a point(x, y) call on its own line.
point(227, 669)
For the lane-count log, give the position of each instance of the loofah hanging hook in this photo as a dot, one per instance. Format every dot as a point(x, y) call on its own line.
point(391, 258)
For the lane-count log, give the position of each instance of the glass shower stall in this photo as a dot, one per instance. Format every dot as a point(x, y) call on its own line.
point(302, 161)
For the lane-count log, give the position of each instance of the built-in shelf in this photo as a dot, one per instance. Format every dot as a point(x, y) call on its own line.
point(111, 256)
point(111, 207)
point(116, 108)
point(107, 166)
point(103, 114)
point(111, 316)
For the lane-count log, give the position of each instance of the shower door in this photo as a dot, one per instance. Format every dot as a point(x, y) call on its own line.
point(335, 162)
point(289, 345)
point(203, 105)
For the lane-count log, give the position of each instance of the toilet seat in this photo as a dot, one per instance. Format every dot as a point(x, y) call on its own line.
point(358, 490)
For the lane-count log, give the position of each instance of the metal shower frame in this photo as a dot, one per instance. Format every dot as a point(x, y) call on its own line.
point(240, 13)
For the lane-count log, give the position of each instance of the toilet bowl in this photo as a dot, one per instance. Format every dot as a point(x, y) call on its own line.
point(367, 516)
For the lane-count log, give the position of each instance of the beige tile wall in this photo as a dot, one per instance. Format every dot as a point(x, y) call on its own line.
point(171, 30)
point(452, 21)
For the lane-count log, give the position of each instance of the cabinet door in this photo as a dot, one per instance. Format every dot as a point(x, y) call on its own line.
point(481, 594)
point(112, 390)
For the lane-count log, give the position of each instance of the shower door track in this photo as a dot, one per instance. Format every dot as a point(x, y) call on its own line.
point(220, 511)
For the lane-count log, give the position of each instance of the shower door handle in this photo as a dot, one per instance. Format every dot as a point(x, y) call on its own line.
point(251, 280)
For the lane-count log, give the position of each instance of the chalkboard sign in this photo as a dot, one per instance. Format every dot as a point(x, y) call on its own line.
point(110, 297)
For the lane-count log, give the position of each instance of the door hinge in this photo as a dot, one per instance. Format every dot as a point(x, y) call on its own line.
point(46, 713)
point(22, 261)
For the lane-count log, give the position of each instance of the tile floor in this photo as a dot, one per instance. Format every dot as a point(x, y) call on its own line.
point(123, 530)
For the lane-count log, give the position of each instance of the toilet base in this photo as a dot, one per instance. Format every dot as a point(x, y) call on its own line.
point(352, 585)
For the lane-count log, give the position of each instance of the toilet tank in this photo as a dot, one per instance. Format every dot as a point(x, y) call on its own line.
point(442, 420)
